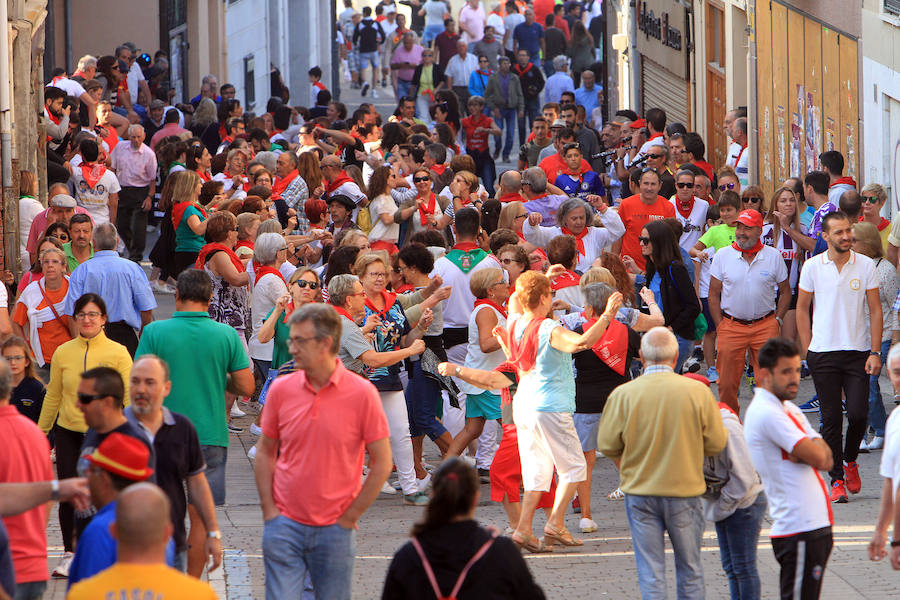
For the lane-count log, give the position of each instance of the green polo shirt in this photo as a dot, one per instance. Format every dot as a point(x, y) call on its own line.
point(200, 353)
point(73, 262)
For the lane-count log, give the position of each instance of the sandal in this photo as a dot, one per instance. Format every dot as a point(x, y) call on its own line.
point(562, 536)
point(532, 544)
point(617, 494)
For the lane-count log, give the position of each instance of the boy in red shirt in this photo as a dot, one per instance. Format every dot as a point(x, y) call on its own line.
point(475, 129)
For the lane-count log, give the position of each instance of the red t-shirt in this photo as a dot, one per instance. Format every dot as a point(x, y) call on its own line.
point(554, 164)
point(635, 215)
point(25, 458)
point(707, 168)
point(477, 141)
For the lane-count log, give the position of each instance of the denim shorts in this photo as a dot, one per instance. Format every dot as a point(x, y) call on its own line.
point(586, 426)
point(215, 457)
point(710, 324)
point(367, 58)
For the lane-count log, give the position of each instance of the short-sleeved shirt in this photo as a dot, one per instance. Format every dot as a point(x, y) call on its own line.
point(890, 458)
point(718, 236)
point(394, 325)
point(45, 332)
point(322, 437)
point(635, 214)
point(748, 289)
point(198, 378)
point(796, 492)
point(353, 345)
point(280, 354)
point(141, 581)
point(446, 47)
point(815, 227)
point(529, 37)
point(474, 20)
point(185, 239)
point(477, 141)
point(383, 205)
point(413, 56)
point(550, 385)
point(839, 293)
point(95, 199)
point(70, 256)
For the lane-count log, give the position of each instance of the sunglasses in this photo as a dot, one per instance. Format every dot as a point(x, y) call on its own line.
point(88, 398)
point(421, 179)
point(726, 186)
point(302, 283)
point(643, 240)
point(752, 200)
point(655, 155)
point(522, 216)
point(684, 185)
point(871, 199)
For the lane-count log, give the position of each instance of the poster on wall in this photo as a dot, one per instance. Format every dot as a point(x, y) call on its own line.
point(829, 134)
point(780, 139)
point(767, 135)
point(813, 134)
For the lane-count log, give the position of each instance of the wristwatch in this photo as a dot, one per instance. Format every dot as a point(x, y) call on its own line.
point(458, 369)
point(874, 353)
point(214, 534)
point(894, 543)
point(780, 321)
point(54, 489)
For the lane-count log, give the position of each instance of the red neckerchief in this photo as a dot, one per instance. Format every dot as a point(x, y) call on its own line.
point(840, 180)
point(882, 225)
point(281, 183)
point(681, 211)
point(222, 133)
point(243, 244)
point(208, 249)
point(579, 239)
point(178, 212)
point(466, 246)
point(505, 394)
point(523, 354)
point(92, 173)
point(204, 177)
point(439, 169)
point(405, 288)
point(337, 182)
point(731, 410)
point(343, 311)
point(567, 279)
point(57, 79)
point(741, 153)
point(752, 251)
point(520, 71)
point(521, 236)
point(260, 270)
point(388, 299)
point(50, 116)
point(425, 209)
point(510, 197)
point(654, 136)
point(492, 304)
point(612, 348)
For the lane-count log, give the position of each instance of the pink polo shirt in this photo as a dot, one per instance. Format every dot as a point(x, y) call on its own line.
point(323, 436)
point(25, 458)
point(413, 56)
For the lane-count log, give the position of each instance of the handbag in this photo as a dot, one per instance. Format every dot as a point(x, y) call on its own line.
point(699, 320)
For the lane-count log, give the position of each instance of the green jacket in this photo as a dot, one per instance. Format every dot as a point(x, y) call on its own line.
point(493, 94)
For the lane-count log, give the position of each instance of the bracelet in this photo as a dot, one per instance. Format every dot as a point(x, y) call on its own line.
point(54, 489)
point(458, 370)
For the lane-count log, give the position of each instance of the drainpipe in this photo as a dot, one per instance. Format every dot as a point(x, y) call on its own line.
point(5, 109)
point(752, 114)
point(68, 16)
point(635, 62)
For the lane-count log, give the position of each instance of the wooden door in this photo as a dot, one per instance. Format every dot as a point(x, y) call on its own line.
point(716, 140)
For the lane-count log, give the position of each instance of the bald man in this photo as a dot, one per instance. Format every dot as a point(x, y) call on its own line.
point(142, 529)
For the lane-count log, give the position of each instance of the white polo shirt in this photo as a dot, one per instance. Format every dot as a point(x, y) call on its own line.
point(839, 313)
point(797, 496)
point(694, 224)
point(890, 458)
point(748, 289)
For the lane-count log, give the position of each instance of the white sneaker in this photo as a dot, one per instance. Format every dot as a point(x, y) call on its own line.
point(62, 569)
point(162, 288)
point(588, 526)
point(863, 446)
point(374, 93)
point(387, 488)
point(236, 412)
point(255, 429)
point(877, 443)
point(470, 460)
point(252, 453)
point(424, 482)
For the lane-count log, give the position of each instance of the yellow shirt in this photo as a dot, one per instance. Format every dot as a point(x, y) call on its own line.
point(141, 581)
point(426, 79)
point(71, 360)
point(661, 425)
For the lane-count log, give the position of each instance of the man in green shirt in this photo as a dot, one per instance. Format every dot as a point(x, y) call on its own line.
point(80, 248)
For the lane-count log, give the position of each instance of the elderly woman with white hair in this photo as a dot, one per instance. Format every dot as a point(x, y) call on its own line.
point(574, 218)
point(268, 285)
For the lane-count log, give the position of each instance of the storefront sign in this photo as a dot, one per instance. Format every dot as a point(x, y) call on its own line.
point(657, 26)
point(662, 33)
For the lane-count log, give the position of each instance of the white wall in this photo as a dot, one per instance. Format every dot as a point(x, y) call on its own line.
point(247, 33)
point(881, 146)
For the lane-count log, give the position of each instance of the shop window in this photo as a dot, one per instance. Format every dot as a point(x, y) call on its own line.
point(892, 7)
point(249, 81)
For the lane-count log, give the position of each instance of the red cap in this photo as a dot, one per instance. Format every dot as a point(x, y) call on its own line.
point(638, 124)
point(124, 456)
point(750, 218)
point(697, 377)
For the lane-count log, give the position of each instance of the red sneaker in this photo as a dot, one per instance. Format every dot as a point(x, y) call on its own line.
point(851, 476)
point(839, 493)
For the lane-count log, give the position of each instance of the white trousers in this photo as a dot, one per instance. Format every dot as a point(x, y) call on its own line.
point(401, 444)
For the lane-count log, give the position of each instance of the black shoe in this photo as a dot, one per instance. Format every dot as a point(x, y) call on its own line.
point(235, 428)
point(484, 475)
point(365, 88)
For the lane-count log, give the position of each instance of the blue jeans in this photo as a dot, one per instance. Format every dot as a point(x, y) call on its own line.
point(32, 590)
point(215, 458)
point(431, 32)
point(422, 396)
point(685, 347)
point(507, 122)
point(877, 416)
point(738, 536)
point(291, 550)
point(403, 88)
point(682, 518)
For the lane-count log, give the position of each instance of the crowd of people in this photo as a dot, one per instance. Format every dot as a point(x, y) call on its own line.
point(356, 283)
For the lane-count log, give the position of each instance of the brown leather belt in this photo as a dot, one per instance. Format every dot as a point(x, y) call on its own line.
point(748, 321)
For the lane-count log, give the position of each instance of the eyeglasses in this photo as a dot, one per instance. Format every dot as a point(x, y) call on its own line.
point(643, 240)
point(16, 357)
point(379, 275)
point(522, 216)
point(655, 155)
point(752, 200)
point(296, 341)
point(88, 398)
point(508, 261)
point(89, 315)
point(684, 185)
point(283, 249)
point(421, 179)
point(871, 199)
point(726, 186)
point(302, 283)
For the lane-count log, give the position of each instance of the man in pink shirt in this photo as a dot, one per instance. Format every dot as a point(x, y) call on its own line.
point(471, 22)
point(318, 423)
point(135, 167)
point(62, 207)
point(407, 56)
point(170, 127)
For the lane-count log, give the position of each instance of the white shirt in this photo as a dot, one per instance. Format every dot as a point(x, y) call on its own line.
point(733, 150)
point(797, 496)
point(383, 205)
point(703, 285)
point(839, 311)
point(694, 224)
point(890, 458)
point(460, 69)
point(475, 358)
point(459, 305)
point(70, 86)
point(595, 241)
point(135, 76)
point(510, 23)
point(748, 289)
point(657, 141)
point(95, 199)
point(496, 21)
point(265, 294)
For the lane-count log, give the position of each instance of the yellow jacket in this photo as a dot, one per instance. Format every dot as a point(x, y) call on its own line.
point(71, 360)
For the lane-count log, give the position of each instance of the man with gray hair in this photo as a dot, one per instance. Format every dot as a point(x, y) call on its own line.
point(86, 69)
point(120, 282)
point(560, 81)
point(317, 424)
point(658, 429)
point(534, 193)
point(135, 166)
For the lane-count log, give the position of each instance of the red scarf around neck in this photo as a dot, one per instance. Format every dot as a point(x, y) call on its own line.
point(260, 270)
point(425, 209)
point(520, 71)
point(681, 211)
point(281, 183)
point(567, 279)
point(492, 304)
point(439, 169)
point(846, 180)
point(204, 176)
point(612, 348)
point(510, 197)
point(523, 355)
point(179, 209)
point(92, 173)
point(207, 250)
point(752, 251)
point(388, 299)
point(243, 244)
point(343, 311)
point(466, 246)
point(579, 239)
point(337, 182)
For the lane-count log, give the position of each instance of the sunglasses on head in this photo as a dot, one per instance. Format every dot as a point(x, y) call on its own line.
point(684, 184)
point(726, 186)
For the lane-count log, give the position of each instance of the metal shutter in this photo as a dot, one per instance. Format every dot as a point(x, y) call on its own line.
point(663, 89)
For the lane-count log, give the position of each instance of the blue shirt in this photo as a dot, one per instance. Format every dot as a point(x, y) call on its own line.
point(589, 183)
point(550, 385)
point(529, 38)
point(394, 325)
point(121, 283)
point(588, 98)
point(478, 82)
point(96, 549)
point(556, 85)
